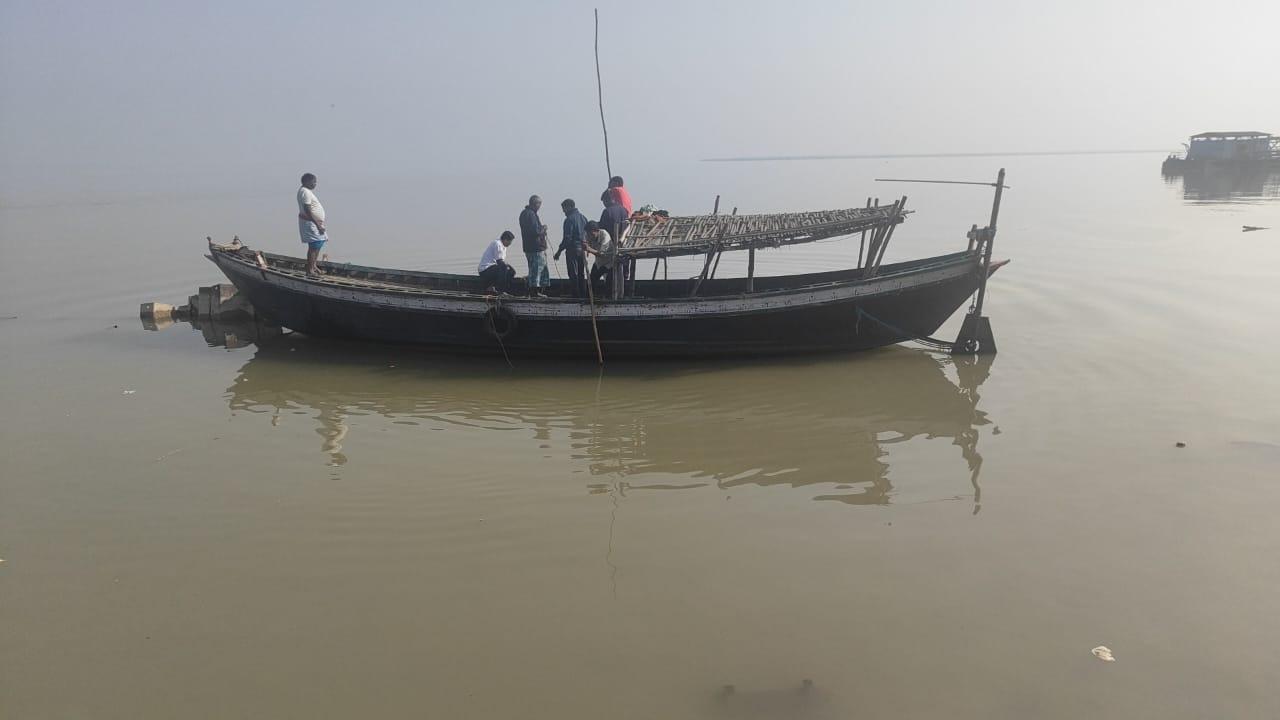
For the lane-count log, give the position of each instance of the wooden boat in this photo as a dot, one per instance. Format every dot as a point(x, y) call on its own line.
point(871, 305)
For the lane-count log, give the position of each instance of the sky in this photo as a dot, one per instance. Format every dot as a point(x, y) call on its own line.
point(148, 96)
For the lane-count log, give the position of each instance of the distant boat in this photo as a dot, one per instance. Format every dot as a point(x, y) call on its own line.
point(868, 306)
point(1225, 150)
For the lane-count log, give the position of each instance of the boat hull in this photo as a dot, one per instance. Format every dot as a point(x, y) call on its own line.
point(853, 314)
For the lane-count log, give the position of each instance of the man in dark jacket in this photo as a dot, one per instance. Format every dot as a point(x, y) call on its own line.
point(533, 236)
point(575, 230)
point(614, 220)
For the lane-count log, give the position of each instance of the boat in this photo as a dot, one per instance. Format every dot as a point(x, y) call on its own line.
point(871, 305)
point(1244, 150)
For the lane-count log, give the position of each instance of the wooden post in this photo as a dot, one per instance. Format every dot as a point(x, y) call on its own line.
point(716, 209)
point(751, 269)
point(884, 244)
point(722, 234)
point(705, 267)
point(991, 236)
point(975, 333)
point(880, 239)
point(862, 245)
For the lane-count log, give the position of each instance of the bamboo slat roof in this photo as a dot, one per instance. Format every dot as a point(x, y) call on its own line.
point(698, 234)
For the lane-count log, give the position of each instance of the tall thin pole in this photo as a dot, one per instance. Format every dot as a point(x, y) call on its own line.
point(595, 331)
point(600, 98)
point(991, 236)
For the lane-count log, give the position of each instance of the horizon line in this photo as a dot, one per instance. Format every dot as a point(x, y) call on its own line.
point(891, 156)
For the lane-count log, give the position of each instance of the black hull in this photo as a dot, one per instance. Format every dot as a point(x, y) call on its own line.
point(805, 319)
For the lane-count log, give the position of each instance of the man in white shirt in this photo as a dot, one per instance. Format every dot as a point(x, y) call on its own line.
point(494, 271)
point(311, 222)
point(601, 245)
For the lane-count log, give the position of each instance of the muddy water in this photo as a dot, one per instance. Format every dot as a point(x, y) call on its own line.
point(301, 528)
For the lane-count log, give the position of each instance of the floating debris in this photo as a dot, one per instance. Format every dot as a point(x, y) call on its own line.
point(1103, 653)
point(129, 392)
point(171, 453)
point(1251, 228)
point(1179, 444)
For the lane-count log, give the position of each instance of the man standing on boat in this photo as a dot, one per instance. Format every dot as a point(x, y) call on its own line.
point(311, 222)
point(533, 236)
point(614, 219)
point(620, 193)
point(575, 231)
point(602, 246)
point(494, 271)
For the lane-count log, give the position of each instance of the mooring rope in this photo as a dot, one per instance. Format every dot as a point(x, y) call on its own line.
point(494, 305)
point(922, 339)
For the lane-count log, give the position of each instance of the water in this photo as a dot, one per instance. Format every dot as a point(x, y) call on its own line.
point(318, 529)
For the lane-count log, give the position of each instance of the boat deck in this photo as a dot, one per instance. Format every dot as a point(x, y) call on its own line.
point(412, 281)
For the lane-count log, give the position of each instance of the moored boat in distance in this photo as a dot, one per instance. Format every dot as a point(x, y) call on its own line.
point(1240, 149)
point(871, 305)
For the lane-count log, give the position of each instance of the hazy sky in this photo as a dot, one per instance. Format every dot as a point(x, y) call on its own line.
point(143, 96)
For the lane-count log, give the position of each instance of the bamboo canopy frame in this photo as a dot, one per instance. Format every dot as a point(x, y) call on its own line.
point(654, 237)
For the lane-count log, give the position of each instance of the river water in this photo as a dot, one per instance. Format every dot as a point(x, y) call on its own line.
point(301, 528)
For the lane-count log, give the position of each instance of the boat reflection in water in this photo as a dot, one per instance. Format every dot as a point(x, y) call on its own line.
point(822, 424)
point(1227, 184)
point(231, 335)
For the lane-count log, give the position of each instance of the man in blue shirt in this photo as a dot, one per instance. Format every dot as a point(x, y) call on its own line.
point(533, 236)
point(575, 230)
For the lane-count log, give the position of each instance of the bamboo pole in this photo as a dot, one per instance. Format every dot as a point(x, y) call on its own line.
point(600, 99)
point(720, 252)
point(880, 238)
point(862, 245)
point(884, 244)
point(595, 331)
point(991, 236)
point(705, 267)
